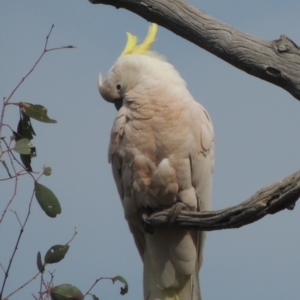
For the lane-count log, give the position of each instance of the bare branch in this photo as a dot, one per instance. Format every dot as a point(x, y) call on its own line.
point(15, 177)
point(97, 280)
point(37, 62)
point(23, 285)
point(1, 266)
point(72, 238)
point(269, 200)
point(16, 246)
point(45, 50)
point(16, 214)
point(277, 62)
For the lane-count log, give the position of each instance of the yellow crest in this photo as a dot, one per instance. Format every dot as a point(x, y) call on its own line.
point(133, 48)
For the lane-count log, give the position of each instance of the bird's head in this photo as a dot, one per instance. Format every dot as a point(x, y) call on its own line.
point(129, 68)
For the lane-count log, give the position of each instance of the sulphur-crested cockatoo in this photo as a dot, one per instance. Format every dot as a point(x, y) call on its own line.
point(162, 156)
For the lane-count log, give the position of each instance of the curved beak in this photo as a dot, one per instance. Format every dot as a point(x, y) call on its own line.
point(105, 92)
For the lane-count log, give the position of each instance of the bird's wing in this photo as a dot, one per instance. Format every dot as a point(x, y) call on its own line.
point(116, 136)
point(202, 160)
point(202, 165)
point(123, 176)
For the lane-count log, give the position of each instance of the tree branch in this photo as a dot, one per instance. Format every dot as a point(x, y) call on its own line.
point(269, 200)
point(277, 62)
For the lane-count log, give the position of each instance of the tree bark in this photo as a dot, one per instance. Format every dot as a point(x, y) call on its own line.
point(269, 200)
point(277, 62)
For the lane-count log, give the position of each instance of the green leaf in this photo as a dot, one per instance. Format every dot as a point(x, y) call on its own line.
point(25, 129)
point(66, 292)
point(16, 136)
point(124, 290)
point(23, 146)
point(56, 253)
point(39, 262)
point(37, 112)
point(47, 200)
point(26, 160)
point(95, 297)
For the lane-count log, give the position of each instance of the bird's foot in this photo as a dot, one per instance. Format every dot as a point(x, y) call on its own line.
point(175, 211)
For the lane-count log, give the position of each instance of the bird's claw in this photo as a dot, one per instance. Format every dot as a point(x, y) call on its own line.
point(175, 211)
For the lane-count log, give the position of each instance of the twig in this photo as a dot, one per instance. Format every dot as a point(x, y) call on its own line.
point(97, 280)
point(34, 296)
point(17, 175)
point(42, 282)
point(45, 50)
point(72, 238)
point(2, 114)
point(15, 187)
point(7, 125)
point(6, 100)
point(37, 274)
point(47, 286)
point(22, 286)
point(16, 246)
point(2, 267)
point(6, 168)
point(17, 217)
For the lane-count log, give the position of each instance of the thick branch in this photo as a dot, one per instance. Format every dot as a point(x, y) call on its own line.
point(269, 200)
point(277, 61)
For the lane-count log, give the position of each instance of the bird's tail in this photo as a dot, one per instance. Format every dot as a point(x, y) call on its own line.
point(189, 291)
point(172, 276)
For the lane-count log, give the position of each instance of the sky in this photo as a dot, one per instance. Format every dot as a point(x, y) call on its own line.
point(257, 143)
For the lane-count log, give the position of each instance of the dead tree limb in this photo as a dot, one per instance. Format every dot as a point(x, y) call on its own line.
point(269, 200)
point(277, 62)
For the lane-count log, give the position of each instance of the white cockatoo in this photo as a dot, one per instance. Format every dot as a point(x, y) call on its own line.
point(162, 156)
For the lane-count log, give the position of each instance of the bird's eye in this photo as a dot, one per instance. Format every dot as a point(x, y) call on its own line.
point(118, 86)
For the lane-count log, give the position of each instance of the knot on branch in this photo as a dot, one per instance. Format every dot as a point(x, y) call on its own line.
point(273, 72)
point(285, 45)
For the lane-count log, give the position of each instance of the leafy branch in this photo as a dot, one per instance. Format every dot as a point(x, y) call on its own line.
point(22, 139)
point(55, 254)
point(23, 146)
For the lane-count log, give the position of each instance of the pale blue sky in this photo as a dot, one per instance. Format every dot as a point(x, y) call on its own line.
point(257, 142)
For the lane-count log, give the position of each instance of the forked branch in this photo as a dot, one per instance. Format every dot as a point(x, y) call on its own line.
point(269, 200)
